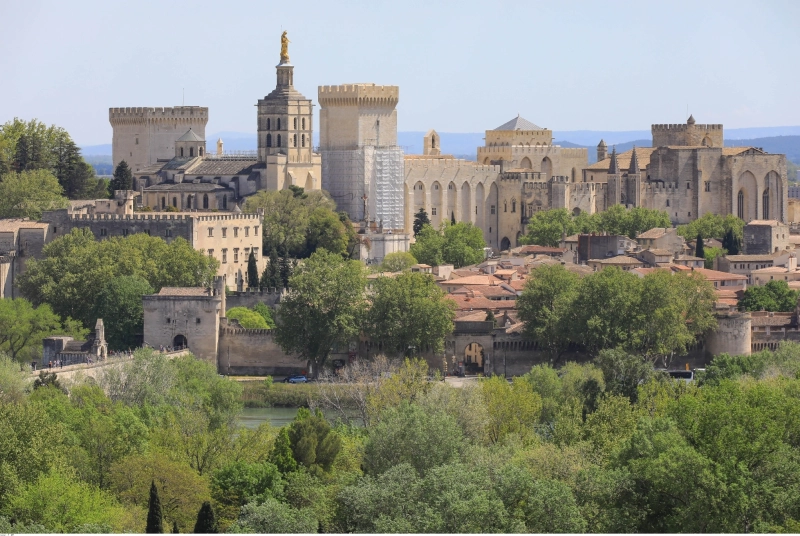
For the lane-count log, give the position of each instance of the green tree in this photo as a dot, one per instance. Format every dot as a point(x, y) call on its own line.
point(30, 145)
point(409, 310)
point(13, 381)
point(155, 524)
point(398, 261)
point(286, 268)
point(247, 318)
point(252, 271)
point(119, 304)
point(281, 455)
point(427, 248)
point(699, 251)
point(546, 227)
point(236, 483)
point(420, 220)
point(74, 269)
point(271, 277)
point(463, 244)
point(325, 307)
point(512, 409)
point(180, 488)
point(273, 516)
point(452, 218)
point(711, 254)
point(624, 372)
point(326, 230)
point(314, 445)
point(547, 308)
point(175, 529)
point(74, 174)
point(29, 193)
point(409, 434)
point(775, 296)
point(206, 520)
point(266, 314)
point(287, 217)
point(712, 225)
point(22, 327)
point(731, 243)
point(123, 178)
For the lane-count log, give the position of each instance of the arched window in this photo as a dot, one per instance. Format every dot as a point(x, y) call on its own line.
point(268, 123)
point(279, 141)
point(163, 202)
point(191, 151)
point(189, 202)
point(765, 201)
point(269, 140)
point(740, 205)
point(279, 124)
point(181, 152)
point(513, 205)
point(175, 202)
point(224, 202)
point(303, 140)
point(295, 123)
point(304, 123)
point(294, 140)
point(667, 202)
point(433, 142)
point(205, 200)
point(200, 151)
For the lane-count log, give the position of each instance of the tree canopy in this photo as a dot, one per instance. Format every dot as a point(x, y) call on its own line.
point(460, 245)
point(712, 225)
point(75, 268)
point(325, 307)
point(546, 228)
point(775, 296)
point(29, 193)
point(409, 310)
point(23, 326)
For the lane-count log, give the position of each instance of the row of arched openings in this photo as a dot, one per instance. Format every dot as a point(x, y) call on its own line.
point(278, 123)
point(191, 151)
point(189, 202)
point(293, 138)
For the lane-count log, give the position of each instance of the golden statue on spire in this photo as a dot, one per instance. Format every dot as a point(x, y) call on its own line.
point(284, 48)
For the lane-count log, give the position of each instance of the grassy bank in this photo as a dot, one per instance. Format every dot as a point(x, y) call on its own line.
point(261, 394)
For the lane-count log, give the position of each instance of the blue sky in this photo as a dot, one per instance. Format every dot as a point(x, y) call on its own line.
point(461, 66)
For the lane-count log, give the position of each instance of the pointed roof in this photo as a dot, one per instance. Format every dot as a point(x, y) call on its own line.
point(634, 162)
point(518, 123)
point(190, 136)
point(602, 143)
point(613, 168)
point(690, 121)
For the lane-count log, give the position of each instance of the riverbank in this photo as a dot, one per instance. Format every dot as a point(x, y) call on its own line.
point(264, 394)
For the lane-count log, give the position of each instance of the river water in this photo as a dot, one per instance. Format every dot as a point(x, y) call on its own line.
point(253, 417)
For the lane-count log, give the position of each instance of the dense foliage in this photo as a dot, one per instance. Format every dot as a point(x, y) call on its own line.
point(29, 193)
point(658, 316)
point(547, 227)
point(712, 225)
point(75, 270)
point(775, 296)
point(612, 446)
point(460, 245)
point(34, 147)
point(22, 327)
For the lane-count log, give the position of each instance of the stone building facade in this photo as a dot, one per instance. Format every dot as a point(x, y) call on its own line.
point(687, 172)
point(142, 136)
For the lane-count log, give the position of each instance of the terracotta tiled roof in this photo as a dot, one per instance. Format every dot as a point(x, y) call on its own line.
point(183, 291)
point(655, 232)
point(618, 260)
point(14, 224)
point(733, 151)
point(493, 290)
point(466, 302)
point(771, 319)
point(517, 285)
point(527, 250)
point(771, 223)
point(571, 238)
point(474, 280)
point(659, 252)
point(714, 275)
point(688, 258)
point(750, 258)
point(463, 272)
point(772, 270)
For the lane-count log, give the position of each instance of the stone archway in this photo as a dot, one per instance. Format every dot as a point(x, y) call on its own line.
point(526, 163)
point(747, 197)
point(547, 168)
point(505, 244)
point(474, 358)
point(467, 213)
point(179, 342)
point(437, 207)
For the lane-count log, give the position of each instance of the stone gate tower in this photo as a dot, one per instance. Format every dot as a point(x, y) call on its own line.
point(142, 136)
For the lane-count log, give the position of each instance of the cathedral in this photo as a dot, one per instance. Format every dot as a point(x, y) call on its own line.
point(687, 171)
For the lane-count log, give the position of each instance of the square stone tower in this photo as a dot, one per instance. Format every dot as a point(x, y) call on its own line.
point(142, 136)
point(362, 166)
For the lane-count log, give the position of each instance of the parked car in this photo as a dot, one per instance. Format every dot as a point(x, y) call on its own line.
point(297, 378)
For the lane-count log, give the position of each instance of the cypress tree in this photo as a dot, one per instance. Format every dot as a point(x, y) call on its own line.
point(206, 520)
point(155, 521)
point(123, 178)
point(271, 278)
point(252, 271)
point(175, 528)
point(281, 454)
point(452, 218)
point(699, 249)
point(285, 273)
point(420, 219)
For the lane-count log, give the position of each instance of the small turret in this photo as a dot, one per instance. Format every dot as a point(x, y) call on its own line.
point(691, 120)
point(613, 168)
point(602, 151)
point(634, 168)
point(219, 147)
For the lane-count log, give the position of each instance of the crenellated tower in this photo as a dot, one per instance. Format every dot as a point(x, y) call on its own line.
point(142, 136)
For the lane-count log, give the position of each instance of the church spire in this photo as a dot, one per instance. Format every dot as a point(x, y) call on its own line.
point(634, 169)
point(613, 168)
